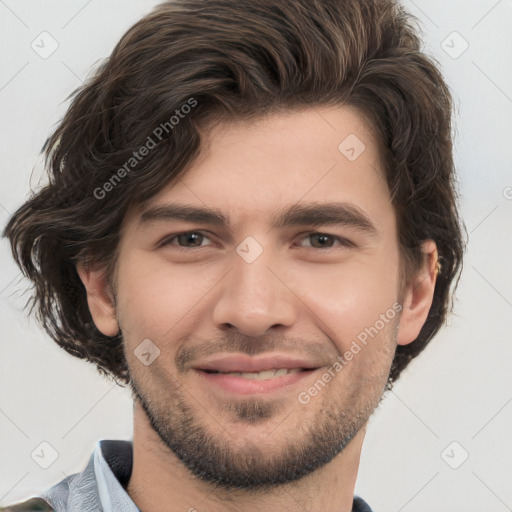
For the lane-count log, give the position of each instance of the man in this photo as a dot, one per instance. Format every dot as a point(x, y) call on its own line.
point(251, 221)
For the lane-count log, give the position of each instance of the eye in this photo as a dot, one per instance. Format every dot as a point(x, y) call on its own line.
point(324, 239)
point(194, 238)
point(190, 240)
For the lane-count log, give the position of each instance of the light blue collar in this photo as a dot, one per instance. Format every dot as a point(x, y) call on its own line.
point(96, 489)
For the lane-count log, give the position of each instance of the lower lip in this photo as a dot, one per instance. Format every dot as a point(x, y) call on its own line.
point(243, 386)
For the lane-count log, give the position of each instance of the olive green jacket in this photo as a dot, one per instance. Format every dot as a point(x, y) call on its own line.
point(30, 505)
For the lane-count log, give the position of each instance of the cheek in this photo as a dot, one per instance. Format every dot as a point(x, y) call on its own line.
point(156, 298)
point(356, 301)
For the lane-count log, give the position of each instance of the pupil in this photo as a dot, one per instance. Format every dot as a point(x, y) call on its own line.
point(191, 238)
point(322, 237)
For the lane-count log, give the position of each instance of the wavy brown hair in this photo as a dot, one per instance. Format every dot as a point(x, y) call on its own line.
point(236, 59)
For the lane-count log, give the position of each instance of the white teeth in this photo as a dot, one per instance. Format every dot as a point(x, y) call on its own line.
point(266, 374)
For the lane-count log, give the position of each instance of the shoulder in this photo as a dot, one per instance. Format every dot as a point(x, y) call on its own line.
point(31, 505)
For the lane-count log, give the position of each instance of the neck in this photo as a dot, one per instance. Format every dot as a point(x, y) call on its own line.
point(159, 479)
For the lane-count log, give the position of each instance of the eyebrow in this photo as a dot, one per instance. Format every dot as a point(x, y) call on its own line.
point(300, 214)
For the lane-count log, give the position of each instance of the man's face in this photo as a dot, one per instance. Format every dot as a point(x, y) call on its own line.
point(240, 296)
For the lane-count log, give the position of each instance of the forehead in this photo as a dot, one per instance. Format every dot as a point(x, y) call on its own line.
point(256, 170)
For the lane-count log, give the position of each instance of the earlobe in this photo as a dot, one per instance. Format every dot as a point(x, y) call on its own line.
point(419, 296)
point(100, 298)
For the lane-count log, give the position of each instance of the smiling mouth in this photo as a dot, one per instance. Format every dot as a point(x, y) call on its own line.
point(262, 375)
point(267, 381)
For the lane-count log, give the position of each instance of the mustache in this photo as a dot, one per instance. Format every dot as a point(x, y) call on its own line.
point(228, 343)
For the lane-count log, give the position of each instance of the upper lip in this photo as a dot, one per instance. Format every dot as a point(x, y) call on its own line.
point(244, 363)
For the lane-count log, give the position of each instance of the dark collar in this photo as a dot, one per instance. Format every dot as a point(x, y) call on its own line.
point(119, 456)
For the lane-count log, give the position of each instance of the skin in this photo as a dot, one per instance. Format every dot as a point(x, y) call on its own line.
point(267, 452)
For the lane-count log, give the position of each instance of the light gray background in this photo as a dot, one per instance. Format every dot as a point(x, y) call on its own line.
point(459, 390)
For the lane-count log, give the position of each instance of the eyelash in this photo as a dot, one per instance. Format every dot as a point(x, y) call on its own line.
point(342, 241)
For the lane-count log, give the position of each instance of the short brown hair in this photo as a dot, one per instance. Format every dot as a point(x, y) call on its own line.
point(236, 59)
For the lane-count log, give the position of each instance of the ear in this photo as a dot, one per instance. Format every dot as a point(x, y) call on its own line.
point(100, 298)
point(418, 296)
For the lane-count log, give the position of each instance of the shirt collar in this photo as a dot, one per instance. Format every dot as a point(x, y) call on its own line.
point(101, 486)
point(112, 467)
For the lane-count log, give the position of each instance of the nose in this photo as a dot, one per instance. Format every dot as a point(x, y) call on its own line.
point(255, 297)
